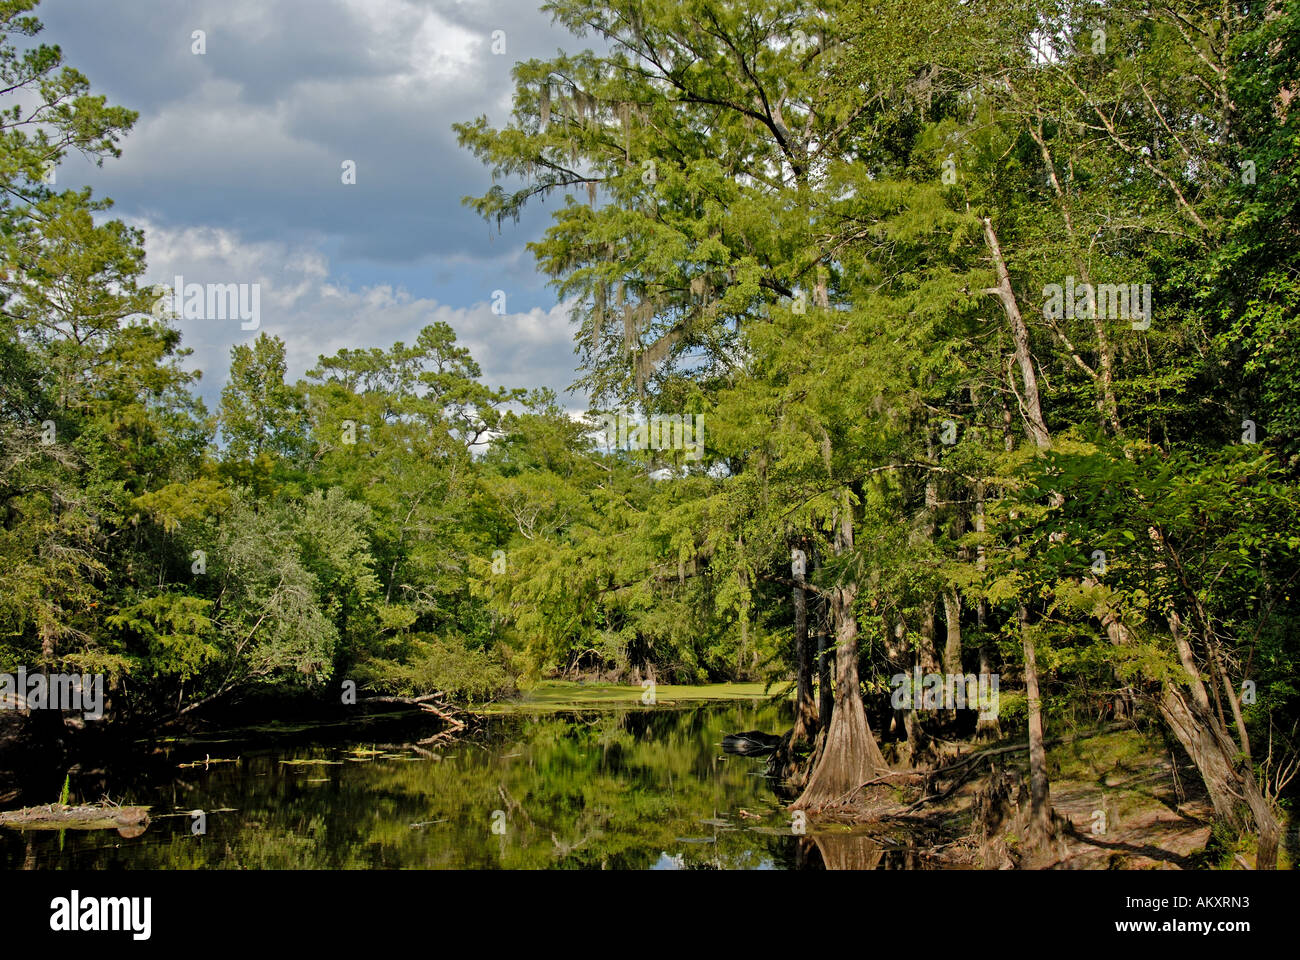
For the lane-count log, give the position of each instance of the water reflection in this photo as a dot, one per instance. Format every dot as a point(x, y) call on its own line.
point(636, 789)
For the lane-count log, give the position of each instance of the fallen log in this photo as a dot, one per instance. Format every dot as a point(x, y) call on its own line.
point(129, 821)
point(433, 703)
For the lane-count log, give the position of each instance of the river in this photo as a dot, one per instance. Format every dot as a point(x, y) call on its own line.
point(624, 787)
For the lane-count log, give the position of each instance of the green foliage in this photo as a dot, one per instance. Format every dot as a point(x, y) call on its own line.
point(788, 229)
point(792, 223)
point(416, 664)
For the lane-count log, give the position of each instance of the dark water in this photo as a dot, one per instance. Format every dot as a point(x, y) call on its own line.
point(631, 789)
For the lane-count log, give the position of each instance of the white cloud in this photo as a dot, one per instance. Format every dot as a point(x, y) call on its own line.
point(317, 314)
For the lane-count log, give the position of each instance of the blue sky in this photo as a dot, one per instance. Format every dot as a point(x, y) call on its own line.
point(234, 168)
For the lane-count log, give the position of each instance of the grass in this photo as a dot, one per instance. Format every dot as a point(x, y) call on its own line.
point(564, 695)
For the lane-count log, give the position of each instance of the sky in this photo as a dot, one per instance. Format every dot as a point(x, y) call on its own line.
point(235, 168)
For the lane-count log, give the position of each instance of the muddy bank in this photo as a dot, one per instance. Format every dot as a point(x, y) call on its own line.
point(1121, 800)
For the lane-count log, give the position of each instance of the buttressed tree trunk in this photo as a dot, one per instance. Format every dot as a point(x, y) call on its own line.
point(850, 755)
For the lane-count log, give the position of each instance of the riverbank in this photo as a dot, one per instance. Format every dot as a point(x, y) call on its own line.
point(1122, 799)
point(549, 696)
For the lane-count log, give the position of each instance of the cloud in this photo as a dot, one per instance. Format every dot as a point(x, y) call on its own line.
point(252, 134)
point(316, 313)
point(234, 168)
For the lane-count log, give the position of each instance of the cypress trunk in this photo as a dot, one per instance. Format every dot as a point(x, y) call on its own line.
point(805, 716)
point(850, 755)
point(1039, 827)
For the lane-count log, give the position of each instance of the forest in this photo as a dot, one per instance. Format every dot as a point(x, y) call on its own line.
point(919, 338)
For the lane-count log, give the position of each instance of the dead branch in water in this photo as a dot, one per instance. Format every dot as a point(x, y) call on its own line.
point(434, 703)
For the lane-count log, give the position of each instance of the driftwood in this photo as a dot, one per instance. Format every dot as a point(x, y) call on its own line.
point(128, 821)
point(429, 703)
